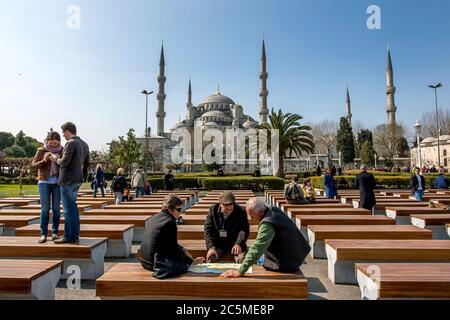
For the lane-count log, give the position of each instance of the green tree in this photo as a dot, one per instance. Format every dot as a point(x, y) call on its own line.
point(15, 151)
point(128, 151)
point(367, 153)
point(346, 141)
point(20, 139)
point(294, 138)
point(6, 140)
point(30, 149)
point(402, 147)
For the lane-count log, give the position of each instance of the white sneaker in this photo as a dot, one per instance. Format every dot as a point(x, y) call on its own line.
point(43, 239)
point(55, 237)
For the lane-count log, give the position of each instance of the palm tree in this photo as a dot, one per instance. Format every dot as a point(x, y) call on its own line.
point(294, 139)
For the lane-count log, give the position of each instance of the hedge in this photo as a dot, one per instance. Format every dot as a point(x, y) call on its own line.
point(25, 180)
point(248, 183)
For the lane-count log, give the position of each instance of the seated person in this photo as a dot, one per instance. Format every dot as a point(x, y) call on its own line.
point(226, 229)
point(160, 237)
point(441, 182)
point(309, 191)
point(278, 239)
point(294, 194)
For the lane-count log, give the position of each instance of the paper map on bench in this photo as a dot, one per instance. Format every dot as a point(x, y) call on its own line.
point(215, 267)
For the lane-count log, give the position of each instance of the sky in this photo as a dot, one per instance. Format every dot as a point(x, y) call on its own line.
point(93, 76)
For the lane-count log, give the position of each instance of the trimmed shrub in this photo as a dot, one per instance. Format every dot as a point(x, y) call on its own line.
point(247, 183)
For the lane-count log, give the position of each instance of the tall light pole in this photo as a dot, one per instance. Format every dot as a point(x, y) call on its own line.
point(147, 93)
point(435, 87)
point(418, 128)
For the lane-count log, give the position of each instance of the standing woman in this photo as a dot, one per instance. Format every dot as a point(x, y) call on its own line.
point(48, 177)
point(118, 185)
point(330, 185)
point(99, 180)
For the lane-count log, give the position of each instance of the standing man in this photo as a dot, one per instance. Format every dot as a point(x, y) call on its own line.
point(138, 182)
point(441, 182)
point(365, 182)
point(278, 238)
point(418, 185)
point(74, 165)
point(169, 181)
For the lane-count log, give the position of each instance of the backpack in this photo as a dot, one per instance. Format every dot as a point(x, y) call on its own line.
point(115, 183)
point(292, 192)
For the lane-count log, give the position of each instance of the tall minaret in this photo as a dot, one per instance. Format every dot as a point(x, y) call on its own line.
point(190, 111)
point(390, 92)
point(263, 93)
point(348, 111)
point(160, 114)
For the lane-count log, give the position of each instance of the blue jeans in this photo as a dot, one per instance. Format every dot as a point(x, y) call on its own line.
point(140, 190)
point(101, 189)
point(47, 192)
point(419, 195)
point(71, 215)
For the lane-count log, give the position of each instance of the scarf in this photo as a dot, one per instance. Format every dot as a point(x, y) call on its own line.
point(54, 168)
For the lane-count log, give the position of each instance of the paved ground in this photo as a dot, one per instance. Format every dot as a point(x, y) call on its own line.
point(320, 288)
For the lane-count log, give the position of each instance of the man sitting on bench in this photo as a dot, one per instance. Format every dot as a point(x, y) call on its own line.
point(278, 238)
point(294, 193)
point(226, 229)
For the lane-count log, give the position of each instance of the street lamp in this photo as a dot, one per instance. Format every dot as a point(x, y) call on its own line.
point(435, 87)
point(147, 93)
point(418, 128)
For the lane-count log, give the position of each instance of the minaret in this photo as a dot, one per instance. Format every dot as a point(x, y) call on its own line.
point(160, 114)
point(189, 105)
point(348, 111)
point(263, 93)
point(390, 92)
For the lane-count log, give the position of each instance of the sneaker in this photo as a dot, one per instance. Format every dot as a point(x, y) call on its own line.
point(43, 239)
point(62, 240)
point(55, 237)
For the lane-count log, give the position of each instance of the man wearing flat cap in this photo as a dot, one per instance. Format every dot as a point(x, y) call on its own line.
point(226, 229)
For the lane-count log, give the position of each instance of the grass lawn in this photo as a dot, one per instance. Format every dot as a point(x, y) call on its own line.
point(12, 190)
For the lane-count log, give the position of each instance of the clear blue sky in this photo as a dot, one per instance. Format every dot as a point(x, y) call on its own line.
point(93, 76)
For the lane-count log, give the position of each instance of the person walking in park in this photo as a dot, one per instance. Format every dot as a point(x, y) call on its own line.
point(417, 185)
point(330, 185)
point(118, 186)
point(138, 182)
point(74, 165)
point(366, 183)
point(169, 181)
point(99, 180)
point(48, 178)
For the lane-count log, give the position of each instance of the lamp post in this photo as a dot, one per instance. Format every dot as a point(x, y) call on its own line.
point(147, 93)
point(435, 87)
point(418, 128)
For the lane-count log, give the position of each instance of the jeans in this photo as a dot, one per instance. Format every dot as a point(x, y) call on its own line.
point(101, 189)
point(419, 195)
point(118, 196)
point(139, 190)
point(45, 192)
point(71, 215)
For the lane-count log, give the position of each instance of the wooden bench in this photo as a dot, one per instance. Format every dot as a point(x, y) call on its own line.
point(18, 202)
point(381, 206)
point(139, 223)
point(6, 206)
point(326, 211)
point(432, 197)
point(132, 281)
point(123, 212)
point(404, 280)
point(356, 202)
point(403, 214)
point(10, 223)
point(317, 234)
point(285, 207)
point(196, 232)
point(197, 248)
point(88, 254)
point(155, 206)
point(343, 254)
point(434, 222)
point(303, 221)
point(29, 279)
point(2, 228)
point(81, 207)
point(119, 236)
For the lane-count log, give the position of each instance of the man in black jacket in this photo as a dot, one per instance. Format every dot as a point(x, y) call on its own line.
point(366, 183)
point(74, 165)
point(226, 229)
point(169, 181)
point(418, 185)
point(160, 236)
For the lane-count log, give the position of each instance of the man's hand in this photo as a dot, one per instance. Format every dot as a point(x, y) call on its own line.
point(231, 274)
point(236, 250)
point(211, 252)
point(198, 260)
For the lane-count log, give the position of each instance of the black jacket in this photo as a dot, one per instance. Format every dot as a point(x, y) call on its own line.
point(118, 184)
point(169, 182)
point(415, 183)
point(160, 237)
point(289, 248)
point(236, 224)
point(74, 162)
point(365, 182)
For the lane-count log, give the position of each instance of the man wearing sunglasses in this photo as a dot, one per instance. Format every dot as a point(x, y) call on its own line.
point(226, 229)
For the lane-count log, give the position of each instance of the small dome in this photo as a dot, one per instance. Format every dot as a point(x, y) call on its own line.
point(211, 124)
point(444, 137)
point(428, 140)
point(214, 113)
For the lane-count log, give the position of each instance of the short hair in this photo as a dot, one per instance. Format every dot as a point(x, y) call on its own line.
point(416, 168)
point(120, 172)
point(171, 202)
point(363, 167)
point(306, 180)
point(53, 135)
point(255, 204)
point(295, 178)
point(69, 126)
point(227, 197)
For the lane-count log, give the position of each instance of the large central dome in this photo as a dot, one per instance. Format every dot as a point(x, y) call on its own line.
point(218, 98)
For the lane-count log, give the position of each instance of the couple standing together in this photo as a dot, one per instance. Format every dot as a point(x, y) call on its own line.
point(60, 173)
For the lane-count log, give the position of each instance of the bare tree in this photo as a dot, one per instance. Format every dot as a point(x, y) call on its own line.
point(325, 135)
point(429, 127)
point(383, 144)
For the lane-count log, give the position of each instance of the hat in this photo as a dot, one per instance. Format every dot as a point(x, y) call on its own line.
point(227, 198)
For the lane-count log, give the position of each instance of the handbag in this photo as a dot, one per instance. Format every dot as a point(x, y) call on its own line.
point(165, 267)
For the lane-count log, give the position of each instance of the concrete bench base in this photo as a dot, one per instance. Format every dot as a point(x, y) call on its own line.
point(369, 288)
point(138, 234)
point(401, 220)
point(42, 288)
point(120, 248)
